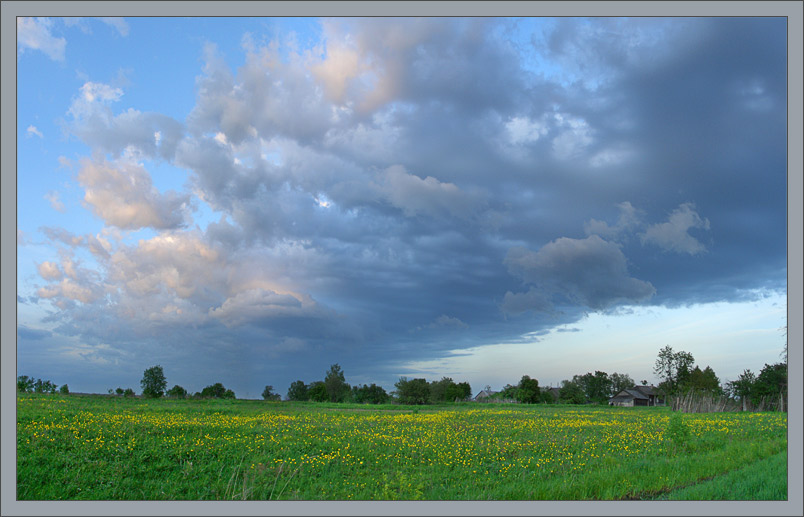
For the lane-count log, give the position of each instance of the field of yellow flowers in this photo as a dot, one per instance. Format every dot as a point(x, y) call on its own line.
point(107, 448)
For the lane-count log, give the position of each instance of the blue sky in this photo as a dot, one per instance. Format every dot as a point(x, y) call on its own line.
point(250, 200)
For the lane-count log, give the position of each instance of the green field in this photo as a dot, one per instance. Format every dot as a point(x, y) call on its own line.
point(110, 448)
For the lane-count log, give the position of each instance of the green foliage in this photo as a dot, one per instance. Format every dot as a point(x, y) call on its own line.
point(64, 390)
point(153, 382)
point(318, 392)
point(677, 430)
point(25, 384)
point(767, 388)
point(177, 392)
point(335, 382)
point(702, 381)
point(414, 391)
point(40, 386)
point(765, 480)
point(509, 392)
point(528, 391)
point(596, 387)
point(298, 391)
point(438, 389)
point(674, 368)
point(268, 394)
point(217, 391)
point(547, 396)
point(128, 392)
point(155, 449)
point(369, 394)
point(571, 393)
point(400, 487)
point(621, 381)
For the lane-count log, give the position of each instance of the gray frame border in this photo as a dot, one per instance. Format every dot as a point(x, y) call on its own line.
point(10, 9)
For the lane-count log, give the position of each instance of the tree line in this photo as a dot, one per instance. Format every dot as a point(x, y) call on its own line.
point(27, 384)
point(680, 377)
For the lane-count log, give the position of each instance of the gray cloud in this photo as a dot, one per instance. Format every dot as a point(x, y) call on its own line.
point(418, 174)
point(590, 272)
point(673, 235)
point(27, 333)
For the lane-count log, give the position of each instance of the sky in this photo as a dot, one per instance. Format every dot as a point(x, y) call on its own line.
point(251, 200)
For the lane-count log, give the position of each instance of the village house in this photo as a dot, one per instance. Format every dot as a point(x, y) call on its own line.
point(637, 396)
point(484, 396)
point(553, 391)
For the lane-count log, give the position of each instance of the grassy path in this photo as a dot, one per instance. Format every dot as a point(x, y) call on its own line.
point(763, 480)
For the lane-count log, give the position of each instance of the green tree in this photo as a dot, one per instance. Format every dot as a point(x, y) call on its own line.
point(64, 390)
point(414, 391)
point(673, 368)
point(621, 381)
point(771, 384)
point(596, 387)
point(217, 391)
point(528, 391)
point(177, 392)
point(318, 392)
point(369, 394)
point(439, 389)
point(571, 393)
point(25, 384)
point(743, 387)
point(336, 385)
point(458, 392)
point(703, 381)
point(464, 390)
point(268, 394)
point(298, 391)
point(509, 392)
point(128, 392)
point(153, 382)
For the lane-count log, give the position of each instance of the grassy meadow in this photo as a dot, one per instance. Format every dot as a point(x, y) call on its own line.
point(110, 448)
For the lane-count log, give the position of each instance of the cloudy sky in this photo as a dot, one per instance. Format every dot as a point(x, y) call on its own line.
point(250, 200)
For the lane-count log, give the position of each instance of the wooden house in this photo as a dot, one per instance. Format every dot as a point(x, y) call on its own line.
point(637, 396)
point(484, 396)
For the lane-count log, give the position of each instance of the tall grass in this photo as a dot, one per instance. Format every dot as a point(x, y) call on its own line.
point(133, 449)
point(764, 480)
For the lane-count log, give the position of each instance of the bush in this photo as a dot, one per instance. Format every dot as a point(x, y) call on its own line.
point(415, 391)
point(268, 394)
point(677, 430)
point(177, 392)
point(217, 391)
point(298, 391)
point(369, 394)
point(318, 392)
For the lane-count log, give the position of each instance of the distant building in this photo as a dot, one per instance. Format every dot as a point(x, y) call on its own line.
point(637, 396)
point(484, 396)
point(553, 392)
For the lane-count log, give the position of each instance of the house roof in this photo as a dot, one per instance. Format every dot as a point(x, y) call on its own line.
point(645, 390)
point(629, 394)
point(485, 393)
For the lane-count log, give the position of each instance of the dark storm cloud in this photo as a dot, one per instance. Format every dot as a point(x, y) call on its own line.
point(589, 272)
point(410, 188)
